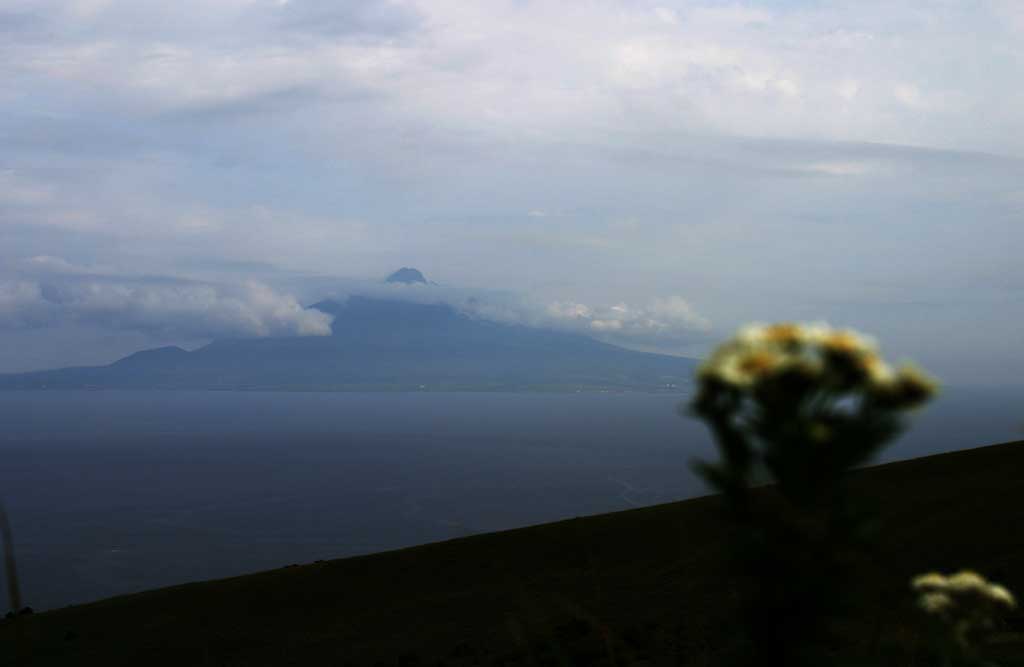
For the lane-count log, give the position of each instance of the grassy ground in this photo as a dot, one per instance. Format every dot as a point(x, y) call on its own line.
point(642, 587)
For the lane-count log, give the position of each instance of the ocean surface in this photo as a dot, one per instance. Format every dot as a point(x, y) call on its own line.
point(114, 492)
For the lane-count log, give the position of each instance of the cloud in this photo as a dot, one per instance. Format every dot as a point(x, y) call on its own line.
point(660, 322)
point(752, 156)
point(22, 304)
point(354, 17)
point(833, 70)
point(62, 294)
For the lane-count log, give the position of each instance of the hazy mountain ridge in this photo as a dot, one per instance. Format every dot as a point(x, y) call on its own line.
point(379, 344)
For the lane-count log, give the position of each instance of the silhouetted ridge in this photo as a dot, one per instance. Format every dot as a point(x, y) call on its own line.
point(384, 345)
point(157, 355)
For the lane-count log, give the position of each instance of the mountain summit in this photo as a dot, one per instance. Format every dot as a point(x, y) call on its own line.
point(407, 276)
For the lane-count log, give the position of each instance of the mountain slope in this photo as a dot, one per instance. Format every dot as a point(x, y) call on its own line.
point(385, 345)
point(642, 587)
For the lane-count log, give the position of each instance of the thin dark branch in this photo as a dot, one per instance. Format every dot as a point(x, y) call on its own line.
point(10, 567)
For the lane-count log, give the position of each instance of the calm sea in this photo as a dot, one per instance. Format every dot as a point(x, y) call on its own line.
point(114, 492)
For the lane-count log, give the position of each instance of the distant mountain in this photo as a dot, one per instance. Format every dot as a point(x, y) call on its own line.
point(381, 345)
point(407, 276)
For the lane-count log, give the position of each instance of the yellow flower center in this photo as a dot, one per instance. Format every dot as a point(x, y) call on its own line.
point(784, 333)
point(844, 341)
point(758, 362)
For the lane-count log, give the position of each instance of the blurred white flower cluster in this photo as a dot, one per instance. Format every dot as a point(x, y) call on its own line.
point(799, 406)
point(966, 602)
point(795, 359)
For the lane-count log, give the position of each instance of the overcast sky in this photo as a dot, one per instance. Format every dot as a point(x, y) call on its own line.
point(654, 173)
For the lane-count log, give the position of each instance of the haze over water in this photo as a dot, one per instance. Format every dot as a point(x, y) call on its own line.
point(114, 492)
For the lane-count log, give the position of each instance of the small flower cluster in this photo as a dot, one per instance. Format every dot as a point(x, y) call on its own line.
point(965, 601)
point(806, 357)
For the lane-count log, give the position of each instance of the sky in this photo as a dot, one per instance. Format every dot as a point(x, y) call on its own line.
point(651, 173)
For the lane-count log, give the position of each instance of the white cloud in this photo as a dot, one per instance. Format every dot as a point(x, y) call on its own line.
point(840, 168)
point(48, 264)
point(666, 15)
point(787, 87)
point(514, 68)
point(510, 143)
point(848, 90)
point(568, 310)
point(659, 322)
point(656, 322)
point(60, 294)
point(21, 304)
point(909, 95)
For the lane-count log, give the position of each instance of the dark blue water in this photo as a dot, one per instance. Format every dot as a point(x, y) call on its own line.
point(114, 492)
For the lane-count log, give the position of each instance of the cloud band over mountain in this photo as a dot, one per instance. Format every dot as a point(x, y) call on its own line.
point(164, 306)
point(51, 292)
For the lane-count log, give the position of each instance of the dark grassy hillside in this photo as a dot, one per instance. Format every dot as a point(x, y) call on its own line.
point(642, 587)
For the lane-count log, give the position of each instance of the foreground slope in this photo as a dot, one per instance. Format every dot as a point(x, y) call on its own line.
point(641, 587)
point(385, 345)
